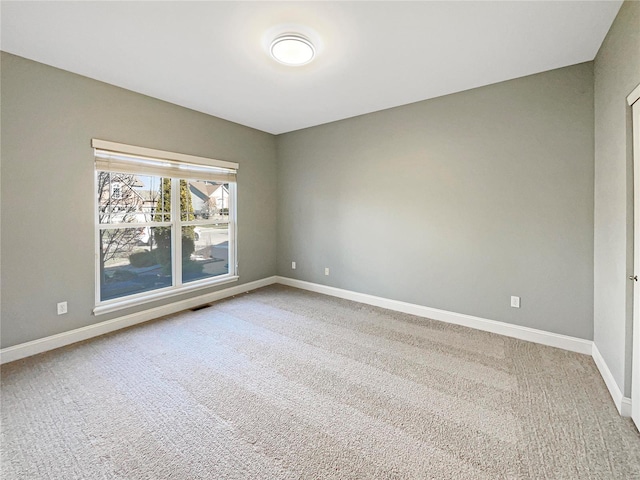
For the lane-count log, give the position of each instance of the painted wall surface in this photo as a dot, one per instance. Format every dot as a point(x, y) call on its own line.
point(455, 203)
point(616, 73)
point(48, 119)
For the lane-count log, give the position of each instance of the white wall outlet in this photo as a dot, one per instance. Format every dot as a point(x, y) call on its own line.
point(515, 302)
point(293, 265)
point(62, 308)
point(326, 271)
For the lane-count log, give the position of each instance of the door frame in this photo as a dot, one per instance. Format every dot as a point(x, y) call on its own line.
point(633, 101)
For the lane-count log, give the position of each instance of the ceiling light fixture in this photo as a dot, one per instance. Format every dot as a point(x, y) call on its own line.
point(292, 49)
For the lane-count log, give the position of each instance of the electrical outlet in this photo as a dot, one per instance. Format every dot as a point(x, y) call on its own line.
point(293, 265)
point(62, 308)
point(326, 271)
point(515, 302)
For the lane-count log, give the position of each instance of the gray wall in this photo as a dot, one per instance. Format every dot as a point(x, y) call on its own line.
point(455, 203)
point(48, 119)
point(617, 73)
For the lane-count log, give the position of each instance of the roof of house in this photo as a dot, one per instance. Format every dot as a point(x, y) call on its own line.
point(206, 189)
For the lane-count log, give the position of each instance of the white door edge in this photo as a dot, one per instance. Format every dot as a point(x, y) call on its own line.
point(635, 365)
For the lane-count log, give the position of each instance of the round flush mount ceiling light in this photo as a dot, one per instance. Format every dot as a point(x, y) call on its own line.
point(292, 49)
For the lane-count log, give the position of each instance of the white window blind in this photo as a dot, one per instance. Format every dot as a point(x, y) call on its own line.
point(121, 158)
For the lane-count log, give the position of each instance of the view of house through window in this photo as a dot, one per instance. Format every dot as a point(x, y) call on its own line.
point(157, 232)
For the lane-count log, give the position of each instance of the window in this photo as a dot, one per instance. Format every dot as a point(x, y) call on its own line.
point(115, 191)
point(165, 224)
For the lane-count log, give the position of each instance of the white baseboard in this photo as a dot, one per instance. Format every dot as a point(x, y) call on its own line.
point(564, 342)
point(573, 344)
point(34, 347)
point(622, 403)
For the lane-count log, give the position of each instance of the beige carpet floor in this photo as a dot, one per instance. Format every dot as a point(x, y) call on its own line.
point(281, 383)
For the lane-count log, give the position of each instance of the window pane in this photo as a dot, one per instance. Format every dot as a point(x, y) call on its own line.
point(205, 251)
point(134, 260)
point(127, 198)
point(204, 200)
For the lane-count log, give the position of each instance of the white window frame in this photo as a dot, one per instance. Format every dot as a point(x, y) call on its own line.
point(176, 166)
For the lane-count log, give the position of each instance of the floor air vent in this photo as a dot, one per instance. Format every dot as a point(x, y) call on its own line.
point(200, 307)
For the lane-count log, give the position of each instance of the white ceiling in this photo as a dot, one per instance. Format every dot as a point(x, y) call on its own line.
point(212, 56)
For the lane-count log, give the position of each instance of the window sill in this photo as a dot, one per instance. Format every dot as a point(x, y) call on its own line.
point(116, 305)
